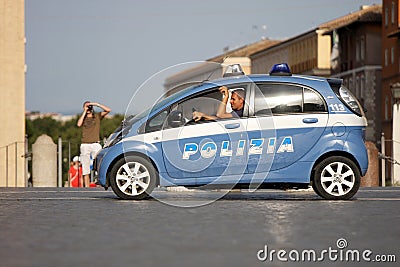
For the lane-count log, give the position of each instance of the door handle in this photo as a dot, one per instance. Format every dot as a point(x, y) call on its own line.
point(232, 125)
point(310, 120)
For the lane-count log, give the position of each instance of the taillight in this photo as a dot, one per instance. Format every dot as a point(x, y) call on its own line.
point(346, 96)
point(351, 101)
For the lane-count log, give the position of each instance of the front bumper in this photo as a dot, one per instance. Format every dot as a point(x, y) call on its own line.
point(99, 168)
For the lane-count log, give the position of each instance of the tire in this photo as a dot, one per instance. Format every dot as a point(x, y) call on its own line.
point(133, 178)
point(336, 178)
point(314, 188)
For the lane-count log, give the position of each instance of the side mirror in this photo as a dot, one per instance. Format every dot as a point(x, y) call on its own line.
point(176, 119)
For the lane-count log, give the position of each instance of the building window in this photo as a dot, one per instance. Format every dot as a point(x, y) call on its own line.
point(386, 57)
point(362, 85)
point(386, 107)
point(393, 10)
point(386, 16)
point(392, 55)
point(358, 93)
point(358, 50)
point(362, 48)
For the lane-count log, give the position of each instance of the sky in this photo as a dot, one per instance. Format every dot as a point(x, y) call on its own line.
point(105, 51)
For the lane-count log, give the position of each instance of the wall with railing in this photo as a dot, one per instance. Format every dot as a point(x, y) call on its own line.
point(14, 159)
point(389, 162)
point(13, 165)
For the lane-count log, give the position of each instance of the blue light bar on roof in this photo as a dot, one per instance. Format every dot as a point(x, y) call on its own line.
point(281, 69)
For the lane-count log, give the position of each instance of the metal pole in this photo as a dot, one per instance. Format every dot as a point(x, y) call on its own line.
point(395, 134)
point(383, 162)
point(26, 161)
point(59, 162)
point(6, 166)
point(69, 160)
point(16, 164)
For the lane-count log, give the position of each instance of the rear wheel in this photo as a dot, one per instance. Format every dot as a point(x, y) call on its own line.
point(133, 178)
point(336, 178)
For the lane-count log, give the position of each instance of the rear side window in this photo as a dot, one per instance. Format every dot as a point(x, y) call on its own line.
point(277, 99)
point(312, 101)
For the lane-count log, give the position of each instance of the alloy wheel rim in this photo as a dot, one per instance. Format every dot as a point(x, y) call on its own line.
point(337, 179)
point(133, 178)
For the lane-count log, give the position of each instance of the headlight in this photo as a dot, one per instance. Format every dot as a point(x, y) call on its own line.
point(113, 139)
point(119, 133)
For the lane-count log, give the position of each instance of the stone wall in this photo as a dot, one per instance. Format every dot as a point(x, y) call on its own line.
point(44, 162)
point(371, 178)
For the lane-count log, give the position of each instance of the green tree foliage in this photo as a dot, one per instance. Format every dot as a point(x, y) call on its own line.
point(68, 130)
point(69, 133)
point(109, 125)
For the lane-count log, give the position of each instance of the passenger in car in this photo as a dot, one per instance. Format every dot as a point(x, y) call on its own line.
point(236, 101)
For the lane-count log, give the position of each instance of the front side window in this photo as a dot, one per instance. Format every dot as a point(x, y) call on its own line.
point(278, 99)
point(210, 106)
point(156, 123)
point(206, 103)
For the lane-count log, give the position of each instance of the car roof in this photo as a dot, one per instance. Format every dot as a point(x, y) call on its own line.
point(312, 81)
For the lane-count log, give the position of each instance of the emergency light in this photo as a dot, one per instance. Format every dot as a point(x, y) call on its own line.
point(281, 69)
point(233, 70)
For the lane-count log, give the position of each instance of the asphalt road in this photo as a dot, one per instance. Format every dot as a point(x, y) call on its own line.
point(91, 227)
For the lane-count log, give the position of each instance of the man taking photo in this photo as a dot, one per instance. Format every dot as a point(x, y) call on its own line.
point(90, 142)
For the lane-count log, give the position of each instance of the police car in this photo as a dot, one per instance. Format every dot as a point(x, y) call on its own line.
point(294, 131)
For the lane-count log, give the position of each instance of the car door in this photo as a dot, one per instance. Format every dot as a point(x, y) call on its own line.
point(205, 151)
point(287, 121)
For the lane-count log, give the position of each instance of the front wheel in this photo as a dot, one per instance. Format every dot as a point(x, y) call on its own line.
point(336, 178)
point(133, 178)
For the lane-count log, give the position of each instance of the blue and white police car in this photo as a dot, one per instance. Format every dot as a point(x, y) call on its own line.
point(293, 131)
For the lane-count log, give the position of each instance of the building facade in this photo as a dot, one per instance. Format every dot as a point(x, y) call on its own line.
point(308, 53)
point(214, 67)
point(358, 60)
point(12, 88)
point(347, 47)
point(390, 78)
